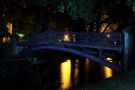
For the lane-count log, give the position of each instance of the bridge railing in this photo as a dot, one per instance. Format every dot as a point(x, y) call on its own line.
point(98, 40)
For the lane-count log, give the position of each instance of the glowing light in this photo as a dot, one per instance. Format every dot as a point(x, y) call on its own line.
point(87, 63)
point(76, 72)
point(115, 42)
point(6, 39)
point(87, 68)
point(4, 15)
point(109, 59)
point(66, 37)
point(107, 72)
point(9, 27)
point(65, 74)
point(20, 35)
point(108, 35)
point(59, 40)
point(103, 26)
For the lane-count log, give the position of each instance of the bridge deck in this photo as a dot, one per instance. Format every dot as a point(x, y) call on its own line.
point(110, 41)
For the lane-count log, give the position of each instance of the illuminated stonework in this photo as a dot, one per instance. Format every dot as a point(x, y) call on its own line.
point(9, 27)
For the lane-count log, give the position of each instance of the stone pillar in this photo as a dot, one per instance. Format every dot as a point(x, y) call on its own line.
point(128, 50)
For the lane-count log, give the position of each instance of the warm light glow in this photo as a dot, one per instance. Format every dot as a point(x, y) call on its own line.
point(9, 26)
point(6, 39)
point(109, 59)
point(112, 27)
point(103, 26)
point(87, 68)
point(76, 72)
point(107, 72)
point(20, 34)
point(66, 37)
point(65, 74)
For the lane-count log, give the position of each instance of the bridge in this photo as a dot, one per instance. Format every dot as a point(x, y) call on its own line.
point(92, 45)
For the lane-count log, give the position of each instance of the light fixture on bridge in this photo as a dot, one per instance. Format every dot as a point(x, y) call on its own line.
point(109, 59)
point(66, 37)
point(115, 42)
point(59, 40)
point(108, 35)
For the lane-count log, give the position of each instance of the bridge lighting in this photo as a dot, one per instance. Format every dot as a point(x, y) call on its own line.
point(108, 35)
point(115, 42)
point(6, 39)
point(3, 15)
point(66, 37)
point(109, 59)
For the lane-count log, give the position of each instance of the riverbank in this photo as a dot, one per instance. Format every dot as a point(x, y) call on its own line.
point(124, 81)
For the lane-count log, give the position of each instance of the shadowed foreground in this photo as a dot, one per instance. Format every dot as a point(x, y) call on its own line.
point(124, 81)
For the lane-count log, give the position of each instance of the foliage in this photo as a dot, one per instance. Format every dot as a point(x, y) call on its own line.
point(29, 15)
point(74, 8)
point(112, 16)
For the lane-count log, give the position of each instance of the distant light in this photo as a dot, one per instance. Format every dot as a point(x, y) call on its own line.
point(59, 40)
point(66, 37)
point(24, 6)
point(109, 59)
point(115, 42)
point(108, 35)
point(20, 35)
point(9, 27)
point(6, 39)
point(4, 15)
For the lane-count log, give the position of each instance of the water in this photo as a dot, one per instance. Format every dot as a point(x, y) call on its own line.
point(57, 74)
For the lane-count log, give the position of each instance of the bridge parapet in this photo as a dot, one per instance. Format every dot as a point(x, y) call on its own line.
point(84, 39)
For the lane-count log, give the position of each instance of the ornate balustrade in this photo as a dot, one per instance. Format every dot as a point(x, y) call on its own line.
point(83, 39)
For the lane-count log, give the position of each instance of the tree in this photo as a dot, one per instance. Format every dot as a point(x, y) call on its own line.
point(112, 17)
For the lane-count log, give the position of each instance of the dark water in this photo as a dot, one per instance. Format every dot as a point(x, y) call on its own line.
point(57, 74)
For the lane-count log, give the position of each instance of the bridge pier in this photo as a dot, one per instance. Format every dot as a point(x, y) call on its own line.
point(128, 48)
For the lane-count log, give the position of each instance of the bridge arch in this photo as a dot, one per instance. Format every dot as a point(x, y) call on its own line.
point(73, 51)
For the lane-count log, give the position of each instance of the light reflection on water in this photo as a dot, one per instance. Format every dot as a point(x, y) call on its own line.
point(107, 72)
point(65, 69)
point(87, 68)
point(54, 75)
point(76, 72)
point(66, 74)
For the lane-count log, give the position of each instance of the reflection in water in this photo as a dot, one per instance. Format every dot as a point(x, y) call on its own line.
point(66, 74)
point(87, 69)
point(107, 72)
point(76, 72)
point(65, 68)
